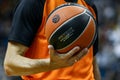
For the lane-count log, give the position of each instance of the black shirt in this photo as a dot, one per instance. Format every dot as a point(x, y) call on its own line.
point(26, 21)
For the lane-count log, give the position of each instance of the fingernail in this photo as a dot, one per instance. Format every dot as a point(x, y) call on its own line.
point(77, 47)
point(87, 50)
point(49, 46)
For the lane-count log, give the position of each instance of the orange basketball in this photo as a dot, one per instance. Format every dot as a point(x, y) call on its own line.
point(70, 25)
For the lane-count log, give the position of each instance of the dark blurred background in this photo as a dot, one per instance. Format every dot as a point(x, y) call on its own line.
point(108, 56)
point(6, 13)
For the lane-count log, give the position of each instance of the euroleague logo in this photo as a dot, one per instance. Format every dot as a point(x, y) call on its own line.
point(55, 18)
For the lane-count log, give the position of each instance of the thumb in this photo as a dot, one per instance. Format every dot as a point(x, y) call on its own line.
point(51, 50)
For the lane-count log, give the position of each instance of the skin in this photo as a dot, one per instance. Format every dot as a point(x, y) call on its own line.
point(16, 64)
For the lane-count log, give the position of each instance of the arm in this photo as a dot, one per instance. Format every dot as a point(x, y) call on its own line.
point(16, 64)
point(96, 70)
point(27, 18)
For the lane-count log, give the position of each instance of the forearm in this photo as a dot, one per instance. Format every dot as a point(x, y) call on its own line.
point(16, 64)
point(25, 66)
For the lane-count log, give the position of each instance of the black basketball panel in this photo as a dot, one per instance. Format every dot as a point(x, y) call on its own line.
point(95, 35)
point(69, 31)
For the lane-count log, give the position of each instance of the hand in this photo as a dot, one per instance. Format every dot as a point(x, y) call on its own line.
point(58, 60)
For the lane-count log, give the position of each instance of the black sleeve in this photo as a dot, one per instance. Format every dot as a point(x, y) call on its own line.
point(26, 21)
point(96, 43)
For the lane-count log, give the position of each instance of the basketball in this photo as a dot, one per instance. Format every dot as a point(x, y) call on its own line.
point(70, 25)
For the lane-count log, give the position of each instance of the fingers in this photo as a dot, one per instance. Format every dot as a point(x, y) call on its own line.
point(80, 54)
point(72, 52)
point(69, 55)
point(67, 59)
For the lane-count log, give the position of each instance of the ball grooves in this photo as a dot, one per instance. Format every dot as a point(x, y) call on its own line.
point(75, 25)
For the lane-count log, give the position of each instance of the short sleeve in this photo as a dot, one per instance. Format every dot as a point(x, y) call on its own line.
point(26, 21)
